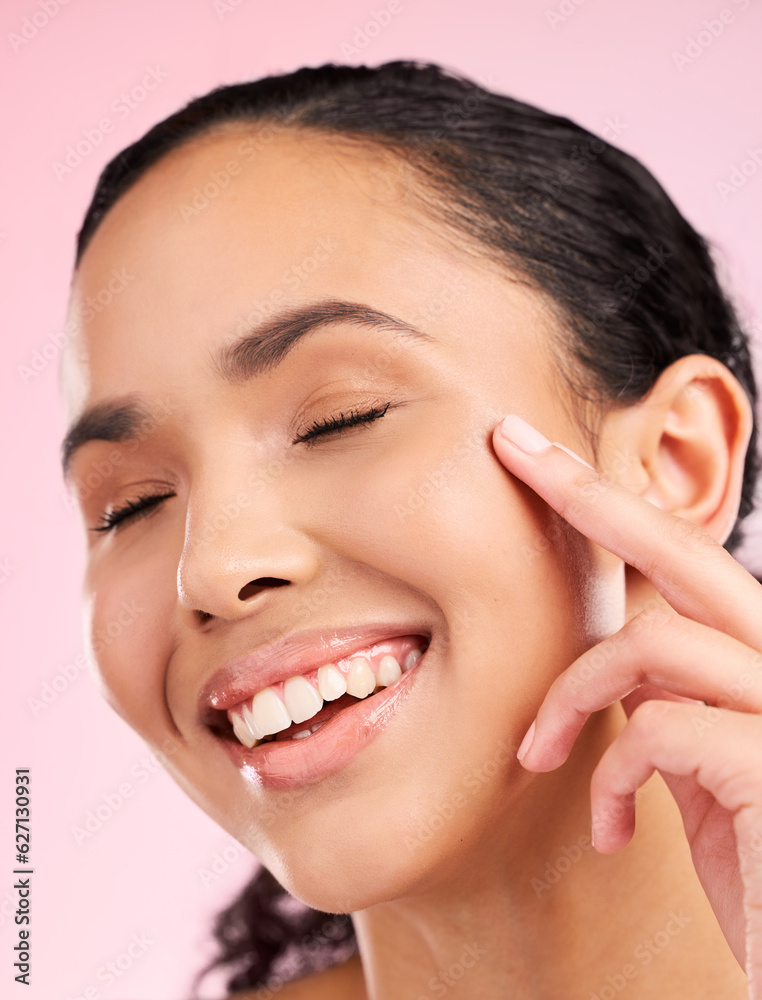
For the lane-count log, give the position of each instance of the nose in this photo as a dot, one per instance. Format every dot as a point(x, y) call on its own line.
point(236, 554)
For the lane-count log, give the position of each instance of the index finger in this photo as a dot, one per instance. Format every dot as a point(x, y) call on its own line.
point(695, 574)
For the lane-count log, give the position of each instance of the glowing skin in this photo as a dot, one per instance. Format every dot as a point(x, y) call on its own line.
point(434, 829)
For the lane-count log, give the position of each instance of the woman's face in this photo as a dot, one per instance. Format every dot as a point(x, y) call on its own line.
point(404, 526)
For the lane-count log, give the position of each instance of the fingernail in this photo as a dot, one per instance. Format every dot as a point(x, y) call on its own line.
point(573, 454)
point(522, 434)
point(526, 742)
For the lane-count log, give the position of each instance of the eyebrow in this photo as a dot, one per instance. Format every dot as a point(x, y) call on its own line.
point(255, 353)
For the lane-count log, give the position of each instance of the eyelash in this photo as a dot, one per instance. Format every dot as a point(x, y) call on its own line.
point(331, 425)
point(133, 510)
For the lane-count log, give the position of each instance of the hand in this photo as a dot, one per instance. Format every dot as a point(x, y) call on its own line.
point(707, 648)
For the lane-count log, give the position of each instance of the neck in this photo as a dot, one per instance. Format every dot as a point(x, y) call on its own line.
point(533, 912)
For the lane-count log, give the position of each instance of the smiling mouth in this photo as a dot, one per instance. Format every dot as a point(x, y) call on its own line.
point(296, 708)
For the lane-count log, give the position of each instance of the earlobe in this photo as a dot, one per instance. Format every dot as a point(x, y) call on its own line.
point(691, 433)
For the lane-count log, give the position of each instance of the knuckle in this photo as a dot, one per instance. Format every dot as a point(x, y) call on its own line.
point(654, 630)
point(584, 490)
point(689, 535)
point(592, 662)
point(590, 485)
point(650, 565)
point(648, 714)
point(654, 620)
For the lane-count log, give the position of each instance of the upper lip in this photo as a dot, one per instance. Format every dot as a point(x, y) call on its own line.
point(297, 653)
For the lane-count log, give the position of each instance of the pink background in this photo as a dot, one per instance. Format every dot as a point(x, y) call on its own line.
point(139, 874)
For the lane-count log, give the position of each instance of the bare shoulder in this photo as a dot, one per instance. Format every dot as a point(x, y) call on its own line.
point(340, 982)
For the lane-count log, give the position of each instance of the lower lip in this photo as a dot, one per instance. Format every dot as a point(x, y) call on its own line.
point(291, 763)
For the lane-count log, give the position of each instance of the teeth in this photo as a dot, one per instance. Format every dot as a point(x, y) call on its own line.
point(307, 732)
point(249, 720)
point(331, 683)
point(388, 671)
point(270, 714)
point(243, 732)
point(412, 658)
point(302, 700)
point(360, 678)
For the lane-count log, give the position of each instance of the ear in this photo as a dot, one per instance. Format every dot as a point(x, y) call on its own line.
point(684, 445)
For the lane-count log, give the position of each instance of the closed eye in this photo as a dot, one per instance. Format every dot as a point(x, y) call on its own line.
point(142, 506)
point(132, 510)
point(338, 425)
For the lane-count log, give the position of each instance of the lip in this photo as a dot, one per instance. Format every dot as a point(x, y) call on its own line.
point(292, 763)
point(297, 653)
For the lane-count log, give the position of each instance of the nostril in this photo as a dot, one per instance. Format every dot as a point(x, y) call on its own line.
point(262, 583)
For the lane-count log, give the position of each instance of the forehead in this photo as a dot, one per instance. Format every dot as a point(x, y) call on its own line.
point(238, 225)
point(263, 193)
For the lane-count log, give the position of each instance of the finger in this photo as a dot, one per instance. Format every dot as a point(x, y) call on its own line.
point(696, 575)
point(658, 648)
point(722, 751)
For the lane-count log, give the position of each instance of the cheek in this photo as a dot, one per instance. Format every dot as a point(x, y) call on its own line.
point(437, 513)
point(518, 587)
point(435, 509)
point(130, 601)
